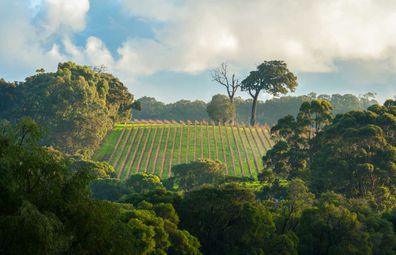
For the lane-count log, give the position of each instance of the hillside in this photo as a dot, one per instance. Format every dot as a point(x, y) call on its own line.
point(155, 147)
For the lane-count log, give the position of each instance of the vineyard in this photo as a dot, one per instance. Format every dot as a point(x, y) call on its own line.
point(155, 146)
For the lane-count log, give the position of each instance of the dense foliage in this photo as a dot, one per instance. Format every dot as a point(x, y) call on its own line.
point(353, 153)
point(46, 208)
point(75, 105)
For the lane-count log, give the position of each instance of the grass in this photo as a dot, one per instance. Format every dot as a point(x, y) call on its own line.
point(155, 148)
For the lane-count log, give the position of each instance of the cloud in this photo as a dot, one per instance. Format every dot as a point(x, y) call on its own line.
point(189, 37)
point(27, 45)
point(310, 35)
point(93, 53)
point(97, 54)
point(21, 49)
point(61, 16)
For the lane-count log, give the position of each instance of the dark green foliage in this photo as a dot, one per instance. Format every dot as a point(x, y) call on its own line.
point(344, 226)
point(227, 220)
point(286, 244)
point(353, 154)
point(154, 196)
point(144, 182)
point(30, 231)
point(356, 156)
point(289, 210)
point(291, 156)
point(45, 206)
point(108, 189)
point(331, 229)
point(75, 105)
point(192, 175)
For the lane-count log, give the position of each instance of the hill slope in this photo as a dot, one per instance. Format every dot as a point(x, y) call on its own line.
point(156, 147)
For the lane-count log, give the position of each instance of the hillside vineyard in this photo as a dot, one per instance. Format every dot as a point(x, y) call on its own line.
point(156, 146)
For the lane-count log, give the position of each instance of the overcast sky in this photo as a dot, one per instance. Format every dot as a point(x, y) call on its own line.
point(166, 48)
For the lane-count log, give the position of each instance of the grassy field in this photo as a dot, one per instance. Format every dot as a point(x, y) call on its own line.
point(156, 147)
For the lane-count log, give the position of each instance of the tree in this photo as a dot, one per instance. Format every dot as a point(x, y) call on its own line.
point(227, 220)
point(332, 229)
point(291, 156)
point(288, 211)
point(221, 75)
point(75, 106)
point(355, 157)
point(220, 109)
point(143, 182)
point(314, 116)
point(271, 76)
point(192, 175)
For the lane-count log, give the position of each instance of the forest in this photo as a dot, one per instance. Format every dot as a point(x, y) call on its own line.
point(325, 182)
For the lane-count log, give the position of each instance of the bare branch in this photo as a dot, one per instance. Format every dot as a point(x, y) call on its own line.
point(221, 76)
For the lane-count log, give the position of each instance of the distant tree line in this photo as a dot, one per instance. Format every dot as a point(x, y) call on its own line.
point(269, 111)
point(181, 110)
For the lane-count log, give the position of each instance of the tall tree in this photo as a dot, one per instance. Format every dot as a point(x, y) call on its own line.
point(271, 76)
point(292, 154)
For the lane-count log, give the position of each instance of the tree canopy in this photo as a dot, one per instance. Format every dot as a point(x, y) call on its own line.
point(75, 105)
point(273, 77)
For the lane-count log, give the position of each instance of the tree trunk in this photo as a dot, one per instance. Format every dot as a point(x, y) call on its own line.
point(233, 120)
point(254, 106)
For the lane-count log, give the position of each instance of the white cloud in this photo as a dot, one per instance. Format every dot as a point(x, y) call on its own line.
point(193, 36)
point(21, 50)
point(93, 53)
point(63, 16)
point(97, 54)
point(26, 46)
point(309, 34)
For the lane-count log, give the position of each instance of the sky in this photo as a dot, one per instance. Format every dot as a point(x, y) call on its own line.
point(167, 48)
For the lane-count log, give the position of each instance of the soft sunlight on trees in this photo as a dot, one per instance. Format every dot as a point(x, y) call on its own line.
point(273, 77)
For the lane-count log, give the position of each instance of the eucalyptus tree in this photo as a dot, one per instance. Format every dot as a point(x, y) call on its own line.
point(273, 77)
